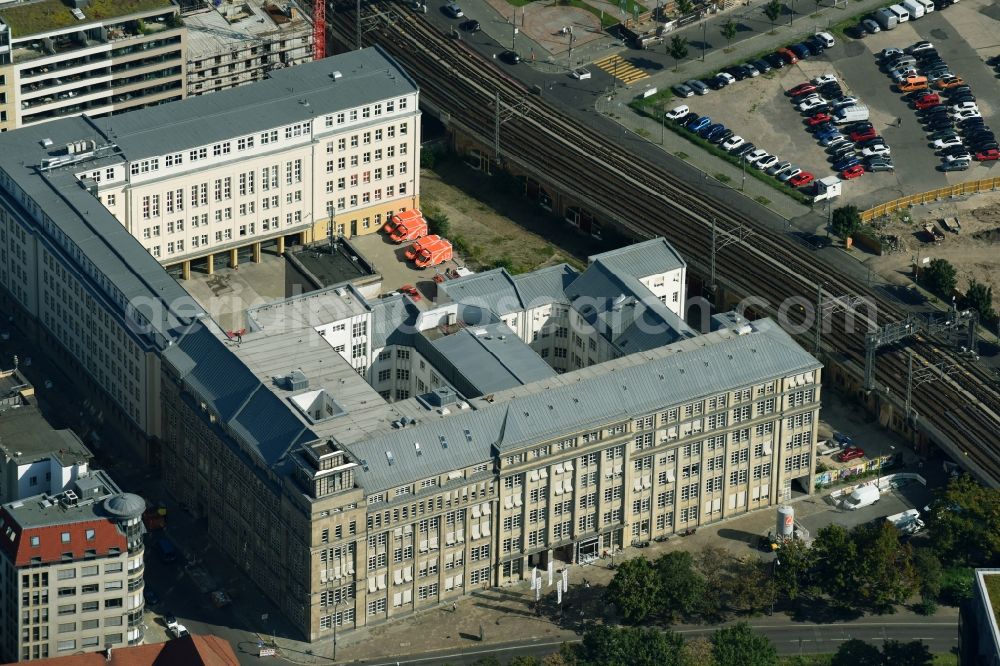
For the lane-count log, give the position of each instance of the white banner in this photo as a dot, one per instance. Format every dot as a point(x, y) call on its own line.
point(550, 573)
point(559, 591)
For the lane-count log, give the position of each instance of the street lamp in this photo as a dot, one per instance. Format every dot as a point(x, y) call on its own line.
point(336, 621)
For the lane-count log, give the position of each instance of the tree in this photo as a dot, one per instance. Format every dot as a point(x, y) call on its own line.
point(680, 585)
point(635, 590)
point(525, 660)
point(979, 297)
point(928, 568)
point(964, 525)
point(678, 49)
point(914, 653)
point(714, 563)
point(940, 277)
point(773, 10)
point(684, 7)
point(845, 221)
point(795, 560)
point(752, 587)
point(835, 555)
point(438, 223)
point(884, 569)
point(487, 661)
point(696, 652)
point(739, 645)
point(603, 644)
point(729, 30)
point(856, 652)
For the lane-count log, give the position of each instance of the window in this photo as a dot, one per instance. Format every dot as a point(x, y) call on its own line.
point(376, 607)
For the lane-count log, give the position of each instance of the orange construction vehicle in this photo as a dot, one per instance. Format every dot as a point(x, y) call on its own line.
point(412, 251)
point(434, 254)
point(406, 226)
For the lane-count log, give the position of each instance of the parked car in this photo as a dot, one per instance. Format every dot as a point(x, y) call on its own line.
point(721, 136)
point(708, 129)
point(727, 77)
point(802, 89)
point(789, 174)
point(744, 150)
point(733, 142)
point(920, 46)
point(800, 50)
point(967, 115)
point(472, 25)
point(846, 162)
point(510, 57)
point(947, 143)
point(750, 69)
point(714, 132)
point(954, 166)
point(779, 168)
point(875, 165)
point(789, 56)
point(990, 155)
point(811, 104)
point(927, 102)
point(755, 155)
point(864, 135)
point(859, 31)
point(890, 53)
point(964, 106)
point(872, 151)
point(949, 82)
point(832, 139)
point(842, 152)
point(677, 112)
point(831, 90)
point(850, 173)
point(453, 10)
point(963, 156)
point(775, 60)
point(762, 65)
point(688, 119)
point(682, 90)
point(819, 119)
point(851, 453)
point(701, 123)
point(801, 179)
point(815, 46)
point(940, 123)
point(871, 26)
point(767, 162)
point(737, 72)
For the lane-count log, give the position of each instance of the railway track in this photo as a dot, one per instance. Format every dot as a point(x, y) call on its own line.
point(465, 90)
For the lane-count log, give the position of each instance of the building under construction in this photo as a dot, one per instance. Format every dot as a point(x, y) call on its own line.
point(234, 42)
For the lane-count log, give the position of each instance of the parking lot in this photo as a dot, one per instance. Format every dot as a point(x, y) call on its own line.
point(396, 271)
point(759, 110)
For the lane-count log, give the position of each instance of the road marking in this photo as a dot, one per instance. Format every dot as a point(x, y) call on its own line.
point(621, 69)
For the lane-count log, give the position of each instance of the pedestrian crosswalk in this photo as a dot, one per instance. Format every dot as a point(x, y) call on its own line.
point(621, 69)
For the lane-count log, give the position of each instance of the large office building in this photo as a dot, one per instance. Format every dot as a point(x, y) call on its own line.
point(366, 458)
point(63, 58)
point(234, 43)
point(71, 567)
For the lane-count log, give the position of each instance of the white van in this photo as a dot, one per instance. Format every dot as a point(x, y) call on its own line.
point(885, 18)
point(928, 6)
point(826, 38)
point(902, 16)
point(915, 8)
point(862, 497)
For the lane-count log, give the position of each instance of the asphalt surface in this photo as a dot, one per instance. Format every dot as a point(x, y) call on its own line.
point(940, 637)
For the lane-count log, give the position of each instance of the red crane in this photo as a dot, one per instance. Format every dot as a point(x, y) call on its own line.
point(319, 29)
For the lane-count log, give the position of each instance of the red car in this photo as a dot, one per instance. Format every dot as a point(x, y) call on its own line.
point(819, 119)
point(850, 453)
point(411, 291)
point(802, 89)
point(927, 102)
point(789, 57)
point(988, 155)
point(803, 178)
point(864, 135)
point(853, 172)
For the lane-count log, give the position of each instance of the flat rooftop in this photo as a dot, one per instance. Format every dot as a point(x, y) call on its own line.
point(25, 436)
point(40, 511)
point(31, 18)
point(211, 31)
point(312, 309)
point(329, 264)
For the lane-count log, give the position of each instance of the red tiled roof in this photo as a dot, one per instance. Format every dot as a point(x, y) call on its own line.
point(17, 544)
point(187, 651)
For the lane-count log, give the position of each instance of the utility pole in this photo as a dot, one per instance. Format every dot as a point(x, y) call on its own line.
point(663, 125)
point(819, 319)
point(572, 38)
point(711, 279)
point(743, 163)
point(704, 28)
point(496, 129)
point(358, 24)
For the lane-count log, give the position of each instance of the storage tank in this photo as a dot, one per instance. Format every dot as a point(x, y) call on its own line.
point(786, 522)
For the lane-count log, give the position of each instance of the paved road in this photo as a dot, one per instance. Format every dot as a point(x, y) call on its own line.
point(789, 639)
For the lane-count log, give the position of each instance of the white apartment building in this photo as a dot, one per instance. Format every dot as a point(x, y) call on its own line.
point(71, 566)
point(60, 59)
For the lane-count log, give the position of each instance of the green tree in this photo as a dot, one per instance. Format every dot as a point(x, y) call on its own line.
point(836, 555)
point(856, 652)
point(525, 661)
point(845, 221)
point(681, 585)
point(940, 277)
point(794, 562)
point(979, 297)
point(773, 10)
point(928, 568)
point(678, 49)
point(884, 569)
point(715, 565)
point(696, 652)
point(729, 30)
point(635, 590)
point(487, 661)
point(964, 526)
point(438, 223)
point(752, 588)
point(603, 644)
point(914, 653)
point(684, 7)
point(739, 645)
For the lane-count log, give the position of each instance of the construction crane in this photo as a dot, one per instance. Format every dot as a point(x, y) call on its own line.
point(319, 29)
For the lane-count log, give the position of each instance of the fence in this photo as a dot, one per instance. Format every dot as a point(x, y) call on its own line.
point(971, 187)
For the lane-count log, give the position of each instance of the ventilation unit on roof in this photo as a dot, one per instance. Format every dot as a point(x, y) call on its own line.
point(416, 446)
point(364, 464)
point(296, 380)
point(444, 442)
point(389, 458)
point(468, 436)
point(46, 143)
point(335, 75)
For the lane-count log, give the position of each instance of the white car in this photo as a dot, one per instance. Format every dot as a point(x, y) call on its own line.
point(920, 46)
point(779, 168)
point(823, 80)
point(788, 174)
point(964, 157)
point(581, 73)
point(903, 73)
point(947, 143)
point(767, 162)
point(964, 106)
point(845, 101)
point(888, 54)
point(831, 140)
point(965, 115)
point(871, 26)
point(811, 103)
point(875, 151)
point(733, 142)
point(756, 155)
point(178, 630)
point(677, 112)
point(728, 78)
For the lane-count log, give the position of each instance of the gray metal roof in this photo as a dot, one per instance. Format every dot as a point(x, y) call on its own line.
point(569, 403)
point(290, 95)
point(490, 358)
point(393, 318)
point(313, 308)
point(493, 289)
point(642, 259)
point(546, 285)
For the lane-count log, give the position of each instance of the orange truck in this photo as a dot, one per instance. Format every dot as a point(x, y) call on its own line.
point(406, 226)
point(414, 249)
point(433, 254)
